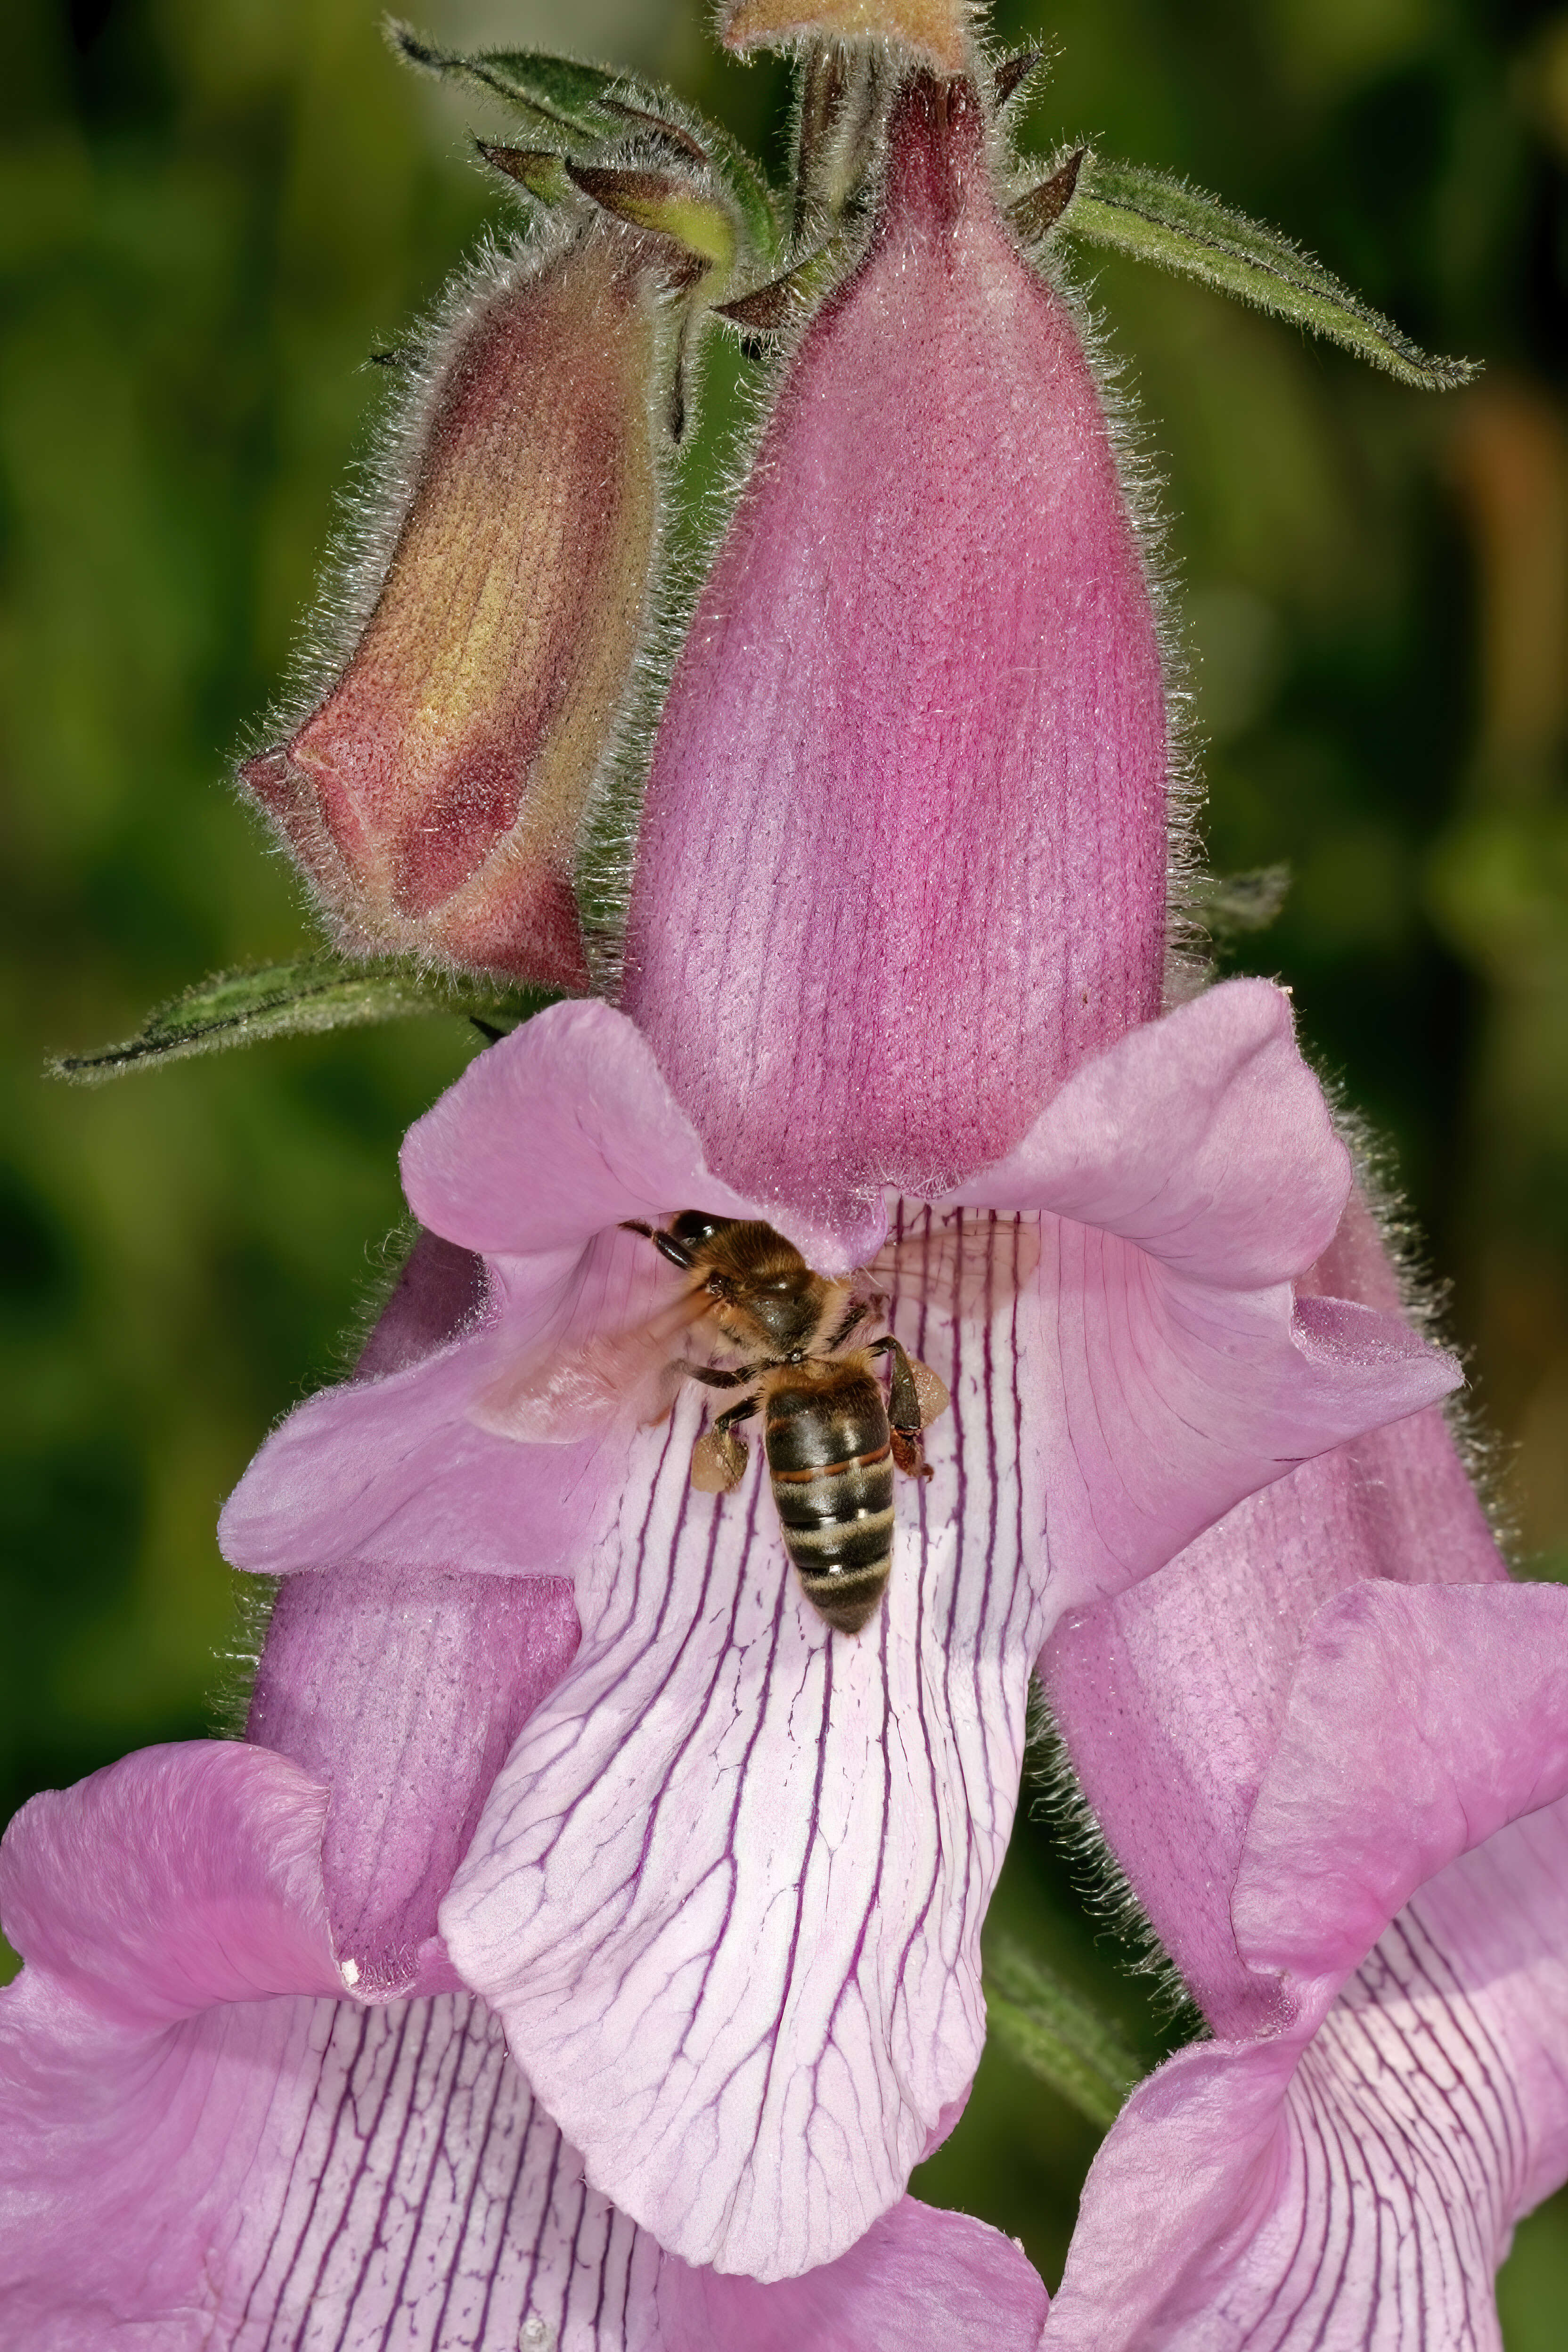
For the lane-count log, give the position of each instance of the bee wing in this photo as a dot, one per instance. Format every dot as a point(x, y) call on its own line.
point(963, 1267)
point(557, 1396)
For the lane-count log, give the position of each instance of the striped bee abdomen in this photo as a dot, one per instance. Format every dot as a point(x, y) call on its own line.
point(830, 1457)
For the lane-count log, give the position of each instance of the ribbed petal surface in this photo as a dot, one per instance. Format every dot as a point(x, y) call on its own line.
point(901, 860)
point(402, 1692)
point(189, 2165)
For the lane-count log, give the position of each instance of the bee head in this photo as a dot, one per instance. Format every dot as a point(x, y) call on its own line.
point(694, 1227)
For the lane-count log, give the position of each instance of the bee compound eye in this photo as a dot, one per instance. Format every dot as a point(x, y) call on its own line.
point(694, 1225)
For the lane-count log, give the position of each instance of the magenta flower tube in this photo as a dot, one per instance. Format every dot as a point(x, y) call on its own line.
point(902, 858)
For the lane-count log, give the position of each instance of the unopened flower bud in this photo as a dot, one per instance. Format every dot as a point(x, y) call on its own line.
point(436, 796)
point(937, 29)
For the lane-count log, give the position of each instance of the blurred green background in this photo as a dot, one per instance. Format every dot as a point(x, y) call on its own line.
point(211, 211)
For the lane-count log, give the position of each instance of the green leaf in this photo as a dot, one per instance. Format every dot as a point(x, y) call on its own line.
point(596, 105)
point(294, 1000)
point(1164, 221)
point(1057, 2036)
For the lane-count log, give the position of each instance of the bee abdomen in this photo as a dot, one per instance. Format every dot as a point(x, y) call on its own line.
point(830, 1455)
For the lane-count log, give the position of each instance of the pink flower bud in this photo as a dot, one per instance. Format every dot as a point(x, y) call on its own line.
point(436, 796)
point(902, 859)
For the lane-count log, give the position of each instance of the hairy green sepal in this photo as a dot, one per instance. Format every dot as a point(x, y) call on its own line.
point(591, 104)
point(1180, 228)
point(1057, 2036)
point(296, 1000)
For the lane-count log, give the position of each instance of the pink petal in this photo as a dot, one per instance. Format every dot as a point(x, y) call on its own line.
point(1422, 1720)
point(1187, 1174)
point(175, 1878)
point(728, 1891)
point(879, 911)
point(1173, 1696)
point(919, 2281)
point(1203, 1137)
point(183, 2162)
point(1361, 2190)
point(566, 1127)
point(401, 1693)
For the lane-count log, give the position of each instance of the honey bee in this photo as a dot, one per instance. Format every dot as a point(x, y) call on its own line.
point(831, 1440)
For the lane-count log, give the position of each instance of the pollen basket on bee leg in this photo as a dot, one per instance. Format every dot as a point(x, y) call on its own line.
point(718, 1462)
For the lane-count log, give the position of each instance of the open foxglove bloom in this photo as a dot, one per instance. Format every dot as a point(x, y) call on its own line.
point(726, 1891)
point(549, 1742)
point(1328, 1747)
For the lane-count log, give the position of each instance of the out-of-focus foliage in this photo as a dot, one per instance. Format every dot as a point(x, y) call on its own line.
point(211, 213)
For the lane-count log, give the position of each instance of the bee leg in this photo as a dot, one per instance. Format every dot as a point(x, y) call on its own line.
point(666, 1244)
point(712, 1379)
point(719, 1457)
point(908, 1455)
point(915, 1398)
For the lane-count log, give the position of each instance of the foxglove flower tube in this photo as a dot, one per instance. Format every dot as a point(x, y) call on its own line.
point(208, 2142)
point(901, 862)
point(1329, 1746)
point(726, 1890)
point(436, 796)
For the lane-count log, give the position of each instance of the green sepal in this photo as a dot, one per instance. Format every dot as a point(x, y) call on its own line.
point(666, 203)
point(1180, 228)
point(1058, 2035)
point(1013, 72)
point(774, 309)
point(540, 170)
point(596, 105)
point(296, 1000)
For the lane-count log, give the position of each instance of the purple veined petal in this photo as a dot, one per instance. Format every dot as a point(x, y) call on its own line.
point(879, 915)
point(1334, 1705)
point(750, 2009)
point(1358, 2188)
point(401, 1692)
point(185, 2164)
point(920, 2280)
point(728, 1891)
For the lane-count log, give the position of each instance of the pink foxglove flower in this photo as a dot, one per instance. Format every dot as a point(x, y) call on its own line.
point(547, 1743)
point(726, 1892)
point(1328, 1747)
